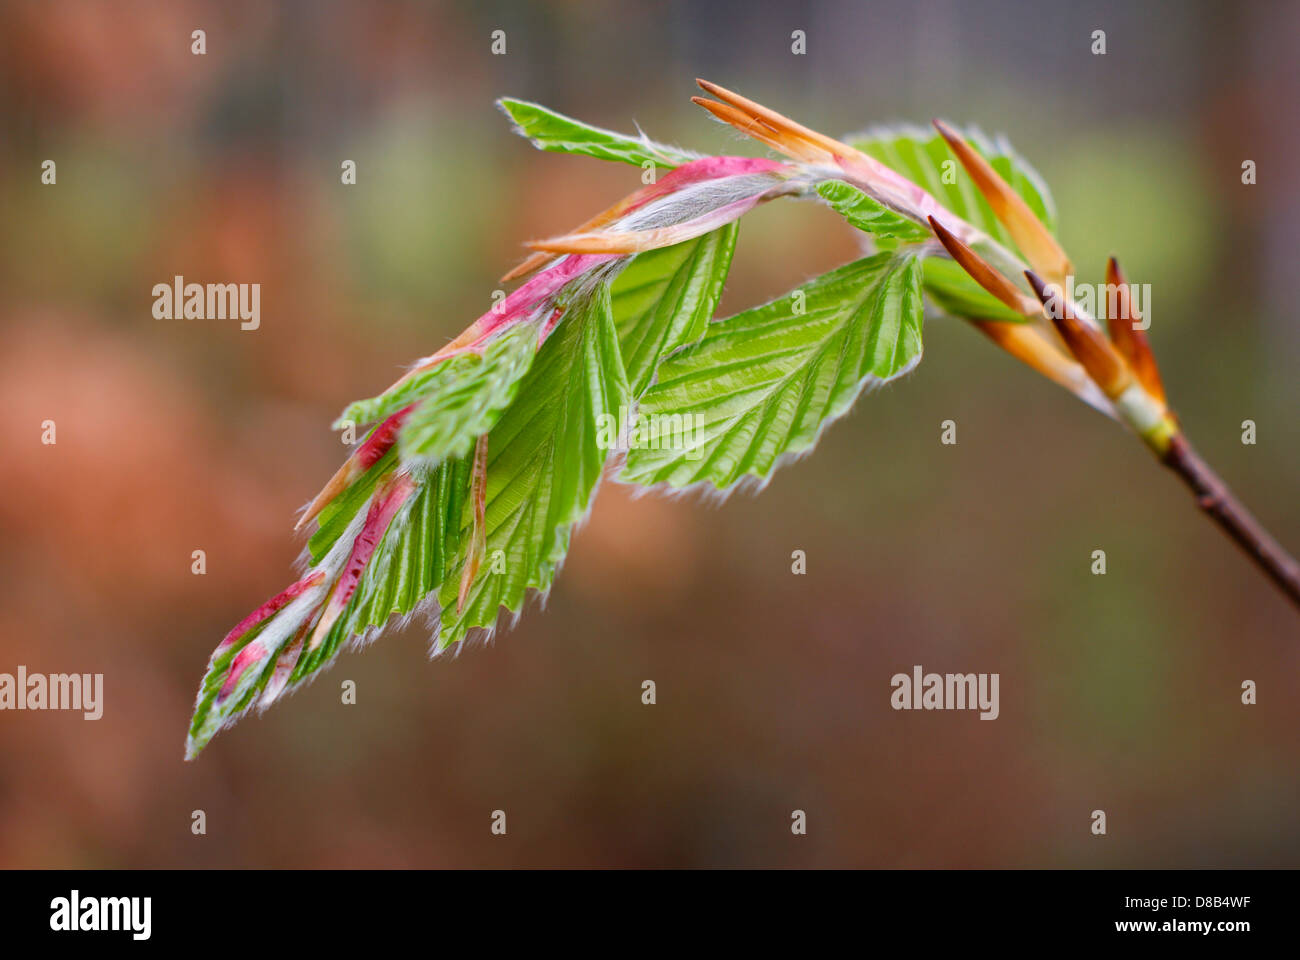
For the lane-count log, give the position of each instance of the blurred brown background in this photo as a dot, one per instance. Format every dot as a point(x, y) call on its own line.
point(1118, 692)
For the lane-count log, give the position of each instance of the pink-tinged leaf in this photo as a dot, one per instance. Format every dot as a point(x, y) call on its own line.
point(250, 655)
point(379, 442)
point(268, 608)
point(636, 241)
point(382, 510)
point(779, 132)
point(697, 171)
point(284, 665)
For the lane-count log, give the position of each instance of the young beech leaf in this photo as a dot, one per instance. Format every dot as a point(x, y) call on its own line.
point(420, 547)
point(223, 694)
point(469, 398)
point(544, 462)
point(665, 298)
point(761, 385)
point(335, 518)
point(553, 131)
point(474, 379)
point(868, 215)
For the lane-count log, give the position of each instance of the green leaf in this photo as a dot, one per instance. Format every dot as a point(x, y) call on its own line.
point(468, 378)
point(665, 298)
point(209, 716)
point(410, 562)
point(273, 631)
point(468, 398)
point(553, 131)
point(422, 544)
point(866, 214)
point(334, 519)
point(418, 553)
point(544, 461)
point(763, 384)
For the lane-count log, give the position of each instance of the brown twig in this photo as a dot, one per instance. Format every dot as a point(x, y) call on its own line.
point(1214, 497)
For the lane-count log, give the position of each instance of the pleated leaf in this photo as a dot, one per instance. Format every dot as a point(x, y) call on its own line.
point(665, 298)
point(422, 544)
point(235, 676)
point(209, 716)
point(470, 397)
point(762, 385)
point(463, 386)
point(868, 215)
point(544, 462)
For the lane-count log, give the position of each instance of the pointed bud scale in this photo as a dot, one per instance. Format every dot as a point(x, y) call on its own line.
point(984, 274)
point(608, 215)
point(1031, 236)
point(1131, 341)
point(763, 178)
point(808, 146)
point(778, 131)
point(801, 143)
point(796, 148)
point(1103, 363)
point(1029, 344)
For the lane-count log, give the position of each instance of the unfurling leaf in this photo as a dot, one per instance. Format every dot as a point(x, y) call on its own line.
point(869, 215)
point(553, 131)
point(544, 462)
point(761, 385)
point(466, 387)
point(465, 403)
point(665, 298)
